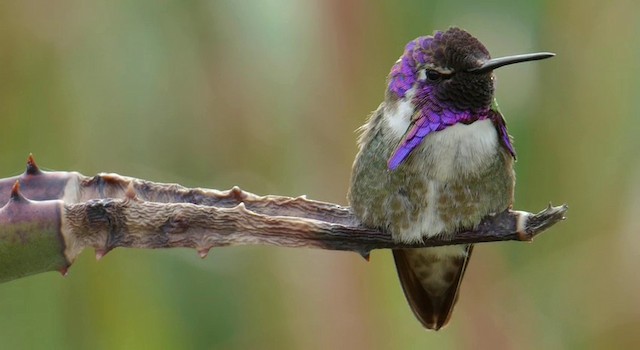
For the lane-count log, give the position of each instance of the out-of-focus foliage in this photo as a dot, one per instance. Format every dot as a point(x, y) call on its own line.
point(267, 95)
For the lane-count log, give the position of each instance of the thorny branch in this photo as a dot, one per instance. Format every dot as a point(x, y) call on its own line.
point(48, 218)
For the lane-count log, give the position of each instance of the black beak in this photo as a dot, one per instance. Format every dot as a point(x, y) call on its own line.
point(503, 61)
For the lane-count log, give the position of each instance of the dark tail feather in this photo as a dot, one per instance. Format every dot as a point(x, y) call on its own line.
point(432, 303)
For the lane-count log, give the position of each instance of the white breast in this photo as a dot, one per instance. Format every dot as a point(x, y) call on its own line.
point(460, 149)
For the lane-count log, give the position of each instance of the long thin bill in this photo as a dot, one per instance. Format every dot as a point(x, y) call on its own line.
point(504, 61)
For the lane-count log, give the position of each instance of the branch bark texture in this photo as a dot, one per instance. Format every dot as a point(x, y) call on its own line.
point(48, 218)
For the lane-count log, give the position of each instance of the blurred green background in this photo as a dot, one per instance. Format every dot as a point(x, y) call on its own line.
point(267, 95)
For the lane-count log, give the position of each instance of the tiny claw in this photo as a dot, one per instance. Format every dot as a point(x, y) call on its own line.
point(32, 167)
point(203, 252)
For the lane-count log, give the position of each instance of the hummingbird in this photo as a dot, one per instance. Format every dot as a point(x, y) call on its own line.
point(435, 158)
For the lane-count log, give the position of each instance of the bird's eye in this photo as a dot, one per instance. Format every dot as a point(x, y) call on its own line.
point(432, 75)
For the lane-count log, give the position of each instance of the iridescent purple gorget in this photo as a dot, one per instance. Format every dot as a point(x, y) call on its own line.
point(434, 115)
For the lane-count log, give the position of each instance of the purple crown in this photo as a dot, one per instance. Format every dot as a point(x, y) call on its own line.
point(453, 48)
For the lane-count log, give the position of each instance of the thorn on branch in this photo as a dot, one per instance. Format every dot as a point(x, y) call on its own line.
point(100, 253)
point(64, 271)
point(236, 193)
point(365, 255)
point(32, 167)
point(203, 252)
point(16, 195)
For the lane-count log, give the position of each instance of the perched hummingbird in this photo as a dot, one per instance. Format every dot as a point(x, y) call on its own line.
point(435, 158)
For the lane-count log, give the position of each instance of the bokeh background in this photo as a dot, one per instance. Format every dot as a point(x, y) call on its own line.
point(267, 95)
